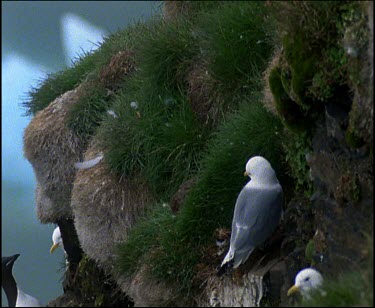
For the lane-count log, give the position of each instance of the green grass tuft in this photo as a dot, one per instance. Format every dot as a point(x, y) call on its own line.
point(58, 83)
point(85, 116)
point(237, 39)
point(144, 238)
point(53, 85)
point(161, 139)
point(296, 147)
point(167, 52)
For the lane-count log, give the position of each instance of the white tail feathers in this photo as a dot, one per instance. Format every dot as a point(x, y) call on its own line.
point(89, 163)
point(228, 257)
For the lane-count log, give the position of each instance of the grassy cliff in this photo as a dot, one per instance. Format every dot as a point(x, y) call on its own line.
point(182, 99)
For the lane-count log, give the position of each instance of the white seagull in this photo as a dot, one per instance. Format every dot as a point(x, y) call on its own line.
point(257, 212)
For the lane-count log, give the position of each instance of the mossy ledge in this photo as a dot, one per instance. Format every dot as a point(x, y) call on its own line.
point(171, 109)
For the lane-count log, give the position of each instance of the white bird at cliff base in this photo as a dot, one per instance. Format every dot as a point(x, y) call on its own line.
point(16, 297)
point(257, 211)
point(306, 280)
point(56, 240)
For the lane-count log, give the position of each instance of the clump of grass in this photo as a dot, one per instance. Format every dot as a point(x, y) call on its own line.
point(166, 53)
point(237, 39)
point(162, 56)
point(189, 9)
point(160, 138)
point(144, 239)
point(296, 147)
point(85, 116)
point(67, 79)
point(209, 205)
point(58, 83)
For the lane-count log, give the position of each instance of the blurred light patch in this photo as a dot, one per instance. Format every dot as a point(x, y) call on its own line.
point(18, 74)
point(78, 35)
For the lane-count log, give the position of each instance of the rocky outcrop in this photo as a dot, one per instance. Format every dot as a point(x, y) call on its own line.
point(105, 208)
point(52, 149)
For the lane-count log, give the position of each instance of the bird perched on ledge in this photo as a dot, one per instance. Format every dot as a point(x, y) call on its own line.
point(256, 214)
point(16, 297)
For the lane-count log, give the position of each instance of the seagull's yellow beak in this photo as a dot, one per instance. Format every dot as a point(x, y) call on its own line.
point(292, 290)
point(53, 248)
point(245, 174)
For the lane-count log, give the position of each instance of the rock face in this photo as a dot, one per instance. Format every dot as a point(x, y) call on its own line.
point(246, 290)
point(52, 148)
point(105, 208)
point(342, 202)
point(146, 291)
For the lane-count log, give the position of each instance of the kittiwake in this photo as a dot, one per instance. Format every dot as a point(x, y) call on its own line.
point(257, 212)
point(306, 280)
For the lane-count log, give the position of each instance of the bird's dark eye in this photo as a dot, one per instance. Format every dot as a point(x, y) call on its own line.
point(307, 278)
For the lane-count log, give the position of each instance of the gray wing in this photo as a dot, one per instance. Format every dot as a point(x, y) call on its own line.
point(256, 216)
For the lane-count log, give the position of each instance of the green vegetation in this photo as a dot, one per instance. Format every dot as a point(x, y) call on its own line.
point(156, 132)
point(319, 66)
point(238, 40)
point(58, 83)
point(291, 114)
point(90, 62)
point(168, 49)
point(302, 38)
point(210, 203)
point(309, 252)
point(160, 138)
point(321, 58)
point(87, 114)
point(296, 147)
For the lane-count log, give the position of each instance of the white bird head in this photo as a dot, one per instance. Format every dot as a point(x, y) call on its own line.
point(56, 239)
point(306, 280)
point(259, 169)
